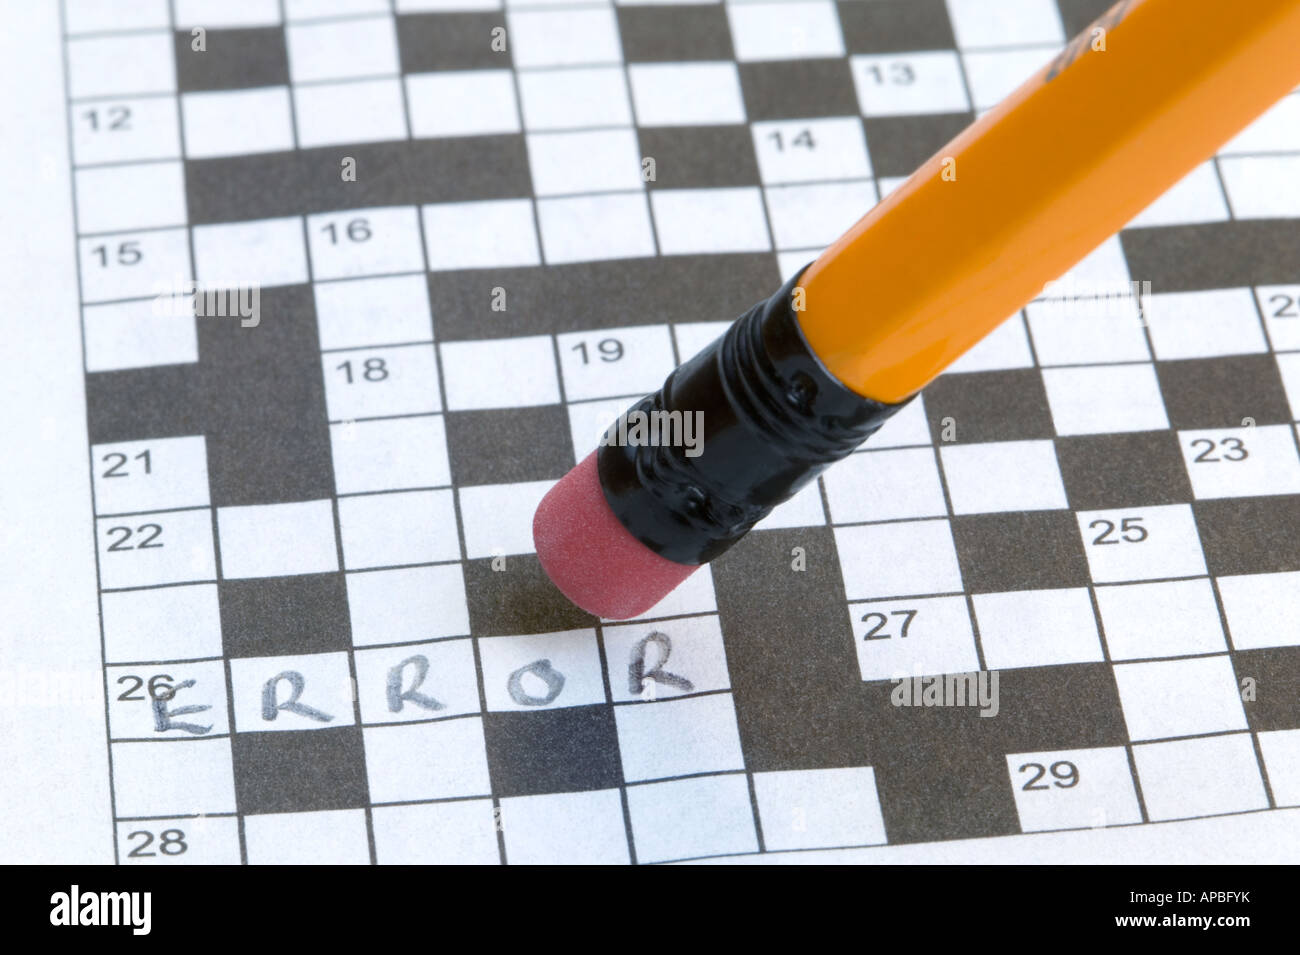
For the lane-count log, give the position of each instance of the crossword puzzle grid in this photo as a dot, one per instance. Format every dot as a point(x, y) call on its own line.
point(309, 655)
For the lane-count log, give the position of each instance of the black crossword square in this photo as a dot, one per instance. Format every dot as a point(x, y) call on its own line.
point(517, 598)
point(1123, 470)
point(508, 445)
point(988, 406)
point(453, 41)
point(1223, 392)
point(300, 771)
point(569, 749)
point(284, 615)
point(1254, 535)
point(691, 157)
point(681, 33)
point(160, 402)
point(231, 59)
point(1078, 14)
point(899, 144)
point(1032, 550)
point(895, 26)
point(798, 89)
point(1073, 706)
point(1273, 700)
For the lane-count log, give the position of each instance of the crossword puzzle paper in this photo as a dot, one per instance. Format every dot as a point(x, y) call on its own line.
point(476, 234)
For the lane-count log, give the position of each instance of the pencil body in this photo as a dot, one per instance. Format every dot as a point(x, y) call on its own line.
point(1132, 105)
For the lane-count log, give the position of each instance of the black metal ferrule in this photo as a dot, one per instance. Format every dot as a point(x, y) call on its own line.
point(771, 419)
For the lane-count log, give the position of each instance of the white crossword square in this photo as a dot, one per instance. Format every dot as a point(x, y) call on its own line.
point(1005, 23)
point(617, 361)
point(96, 16)
point(678, 737)
point(791, 262)
point(445, 759)
point(1241, 462)
point(357, 111)
point(1167, 698)
point(275, 540)
point(188, 701)
point(1142, 543)
point(1204, 324)
point(594, 228)
point(498, 518)
point(1109, 399)
point(584, 828)
point(237, 122)
point(819, 808)
point(407, 604)
point(144, 549)
point(211, 14)
point(1197, 197)
point(686, 94)
point(906, 427)
point(1084, 331)
point(690, 818)
point(134, 196)
point(125, 130)
point(1073, 789)
point(785, 30)
point(666, 659)
point(1262, 609)
point(208, 840)
point(376, 311)
point(321, 9)
point(897, 560)
point(1281, 752)
point(541, 671)
point(913, 637)
point(325, 837)
point(1277, 130)
point(133, 265)
point(461, 832)
point(563, 37)
point(1103, 271)
point(162, 623)
point(462, 103)
point(388, 530)
point(885, 485)
point(475, 235)
point(1003, 476)
point(199, 778)
point(141, 333)
point(571, 98)
point(1007, 346)
point(808, 150)
point(588, 421)
point(250, 254)
point(426, 681)
point(1280, 306)
point(474, 379)
point(710, 221)
point(365, 242)
point(301, 692)
point(994, 75)
point(693, 337)
point(907, 84)
point(342, 49)
point(381, 382)
point(1165, 619)
point(1033, 628)
point(1289, 366)
point(600, 160)
point(390, 454)
point(812, 215)
point(1262, 187)
point(155, 475)
point(114, 65)
point(1183, 779)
